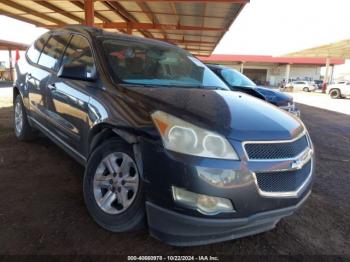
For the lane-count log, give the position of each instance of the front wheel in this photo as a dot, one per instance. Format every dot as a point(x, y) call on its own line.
point(335, 93)
point(306, 89)
point(113, 189)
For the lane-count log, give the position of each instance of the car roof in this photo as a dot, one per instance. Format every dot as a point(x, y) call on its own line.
point(94, 32)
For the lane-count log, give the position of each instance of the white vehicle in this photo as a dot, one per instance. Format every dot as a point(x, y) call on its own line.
point(339, 90)
point(302, 86)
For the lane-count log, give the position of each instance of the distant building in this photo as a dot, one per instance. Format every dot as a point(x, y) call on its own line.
point(268, 70)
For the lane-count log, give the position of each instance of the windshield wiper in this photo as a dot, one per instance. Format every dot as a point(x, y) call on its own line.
point(146, 85)
point(209, 87)
point(174, 85)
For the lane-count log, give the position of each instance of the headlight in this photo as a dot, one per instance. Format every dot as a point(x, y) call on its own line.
point(183, 137)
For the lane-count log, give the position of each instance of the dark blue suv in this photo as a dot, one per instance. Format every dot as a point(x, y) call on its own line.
point(163, 140)
point(239, 82)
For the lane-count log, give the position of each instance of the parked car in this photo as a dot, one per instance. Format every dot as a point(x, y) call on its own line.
point(162, 137)
point(339, 90)
point(318, 83)
point(239, 82)
point(302, 86)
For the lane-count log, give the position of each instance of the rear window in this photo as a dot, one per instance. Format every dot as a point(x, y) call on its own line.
point(34, 50)
point(51, 55)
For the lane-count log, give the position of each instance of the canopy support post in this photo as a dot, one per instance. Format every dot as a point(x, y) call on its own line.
point(89, 12)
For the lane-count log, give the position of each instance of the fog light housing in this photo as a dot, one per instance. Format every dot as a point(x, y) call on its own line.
point(208, 205)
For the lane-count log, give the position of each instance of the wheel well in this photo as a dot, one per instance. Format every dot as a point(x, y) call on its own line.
point(334, 89)
point(104, 132)
point(100, 134)
point(15, 93)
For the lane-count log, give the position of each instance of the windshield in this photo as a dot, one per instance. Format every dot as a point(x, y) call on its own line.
point(235, 78)
point(157, 65)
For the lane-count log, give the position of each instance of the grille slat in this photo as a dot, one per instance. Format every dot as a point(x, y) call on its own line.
point(276, 150)
point(283, 181)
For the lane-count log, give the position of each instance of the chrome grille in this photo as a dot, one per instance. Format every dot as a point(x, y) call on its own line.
point(283, 181)
point(283, 150)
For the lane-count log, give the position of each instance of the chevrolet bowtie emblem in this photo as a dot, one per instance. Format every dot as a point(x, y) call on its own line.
point(300, 162)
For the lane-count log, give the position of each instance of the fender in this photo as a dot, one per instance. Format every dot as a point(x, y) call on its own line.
point(107, 131)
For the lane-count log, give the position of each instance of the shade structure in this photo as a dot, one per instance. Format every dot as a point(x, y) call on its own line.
point(9, 45)
point(195, 25)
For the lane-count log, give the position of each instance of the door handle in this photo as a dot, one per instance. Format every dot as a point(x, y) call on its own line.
point(52, 87)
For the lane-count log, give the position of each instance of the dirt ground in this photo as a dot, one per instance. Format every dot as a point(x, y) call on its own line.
point(42, 209)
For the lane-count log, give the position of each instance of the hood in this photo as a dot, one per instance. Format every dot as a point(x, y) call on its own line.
point(274, 96)
point(233, 114)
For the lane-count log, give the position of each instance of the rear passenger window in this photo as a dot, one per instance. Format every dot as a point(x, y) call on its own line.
point(34, 51)
point(79, 53)
point(53, 50)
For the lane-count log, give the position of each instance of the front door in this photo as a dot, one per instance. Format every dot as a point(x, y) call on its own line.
point(67, 98)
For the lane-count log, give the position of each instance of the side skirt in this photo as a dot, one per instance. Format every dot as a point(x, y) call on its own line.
point(68, 149)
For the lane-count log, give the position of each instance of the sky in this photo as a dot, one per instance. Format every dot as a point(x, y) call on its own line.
point(264, 27)
point(277, 27)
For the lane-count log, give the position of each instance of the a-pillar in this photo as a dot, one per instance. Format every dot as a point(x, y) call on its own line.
point(89, 12)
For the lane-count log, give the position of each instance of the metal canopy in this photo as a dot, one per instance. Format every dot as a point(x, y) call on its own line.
point(335, 50)
point(8, 45)
point(195, 25)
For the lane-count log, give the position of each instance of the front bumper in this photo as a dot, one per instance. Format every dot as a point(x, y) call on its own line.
point(182, 230)
point(254, 212)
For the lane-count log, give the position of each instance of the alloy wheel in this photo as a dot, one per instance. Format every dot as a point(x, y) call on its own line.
point(116, 183)
point(18, 117)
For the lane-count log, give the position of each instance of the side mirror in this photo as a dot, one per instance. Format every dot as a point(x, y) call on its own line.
point(77, 72)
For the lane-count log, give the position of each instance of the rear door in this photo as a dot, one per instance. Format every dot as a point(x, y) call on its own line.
point(67, 98)
point(300, 85)
point(346, 89)
point(33, 80)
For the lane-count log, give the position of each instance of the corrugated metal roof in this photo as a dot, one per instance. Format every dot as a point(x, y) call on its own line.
point(196, 25)
point(270, 59)
point(6, 45)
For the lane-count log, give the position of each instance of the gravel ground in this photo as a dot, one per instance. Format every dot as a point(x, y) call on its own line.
point(42, 209)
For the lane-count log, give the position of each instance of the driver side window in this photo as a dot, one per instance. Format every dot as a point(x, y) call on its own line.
point(78, 53)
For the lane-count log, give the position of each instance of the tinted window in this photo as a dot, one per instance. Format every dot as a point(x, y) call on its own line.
point(79, 53)
point(157, 65)
point(50, 56)
point(33, 52)
point(235, 78)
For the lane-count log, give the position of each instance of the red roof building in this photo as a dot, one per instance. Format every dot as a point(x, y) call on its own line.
point(271, 70)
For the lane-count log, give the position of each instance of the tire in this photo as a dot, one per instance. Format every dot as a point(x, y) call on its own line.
point(22, 128)
point(104, 191)
point(335, 93)
point(306, 89)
